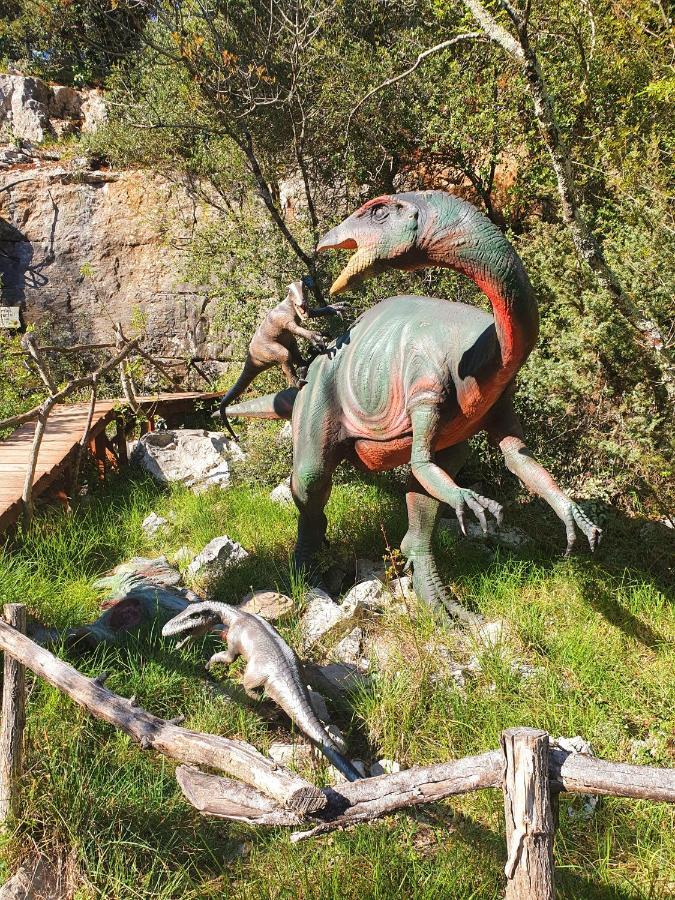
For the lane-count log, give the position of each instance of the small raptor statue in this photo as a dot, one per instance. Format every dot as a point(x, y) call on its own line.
point(415, 378)
point(275, 343)
point(270, 665)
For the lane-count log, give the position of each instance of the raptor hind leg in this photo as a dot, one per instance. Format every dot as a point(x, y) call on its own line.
point(416, 546)
point(252, 682)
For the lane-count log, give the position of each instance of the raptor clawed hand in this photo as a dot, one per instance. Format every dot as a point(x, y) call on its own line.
point(573, 516)
point(464, 499)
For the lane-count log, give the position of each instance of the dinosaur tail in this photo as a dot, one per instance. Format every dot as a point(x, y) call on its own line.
point(271, 406)
point(341, 763)
point(248, 373)
point(309, 724)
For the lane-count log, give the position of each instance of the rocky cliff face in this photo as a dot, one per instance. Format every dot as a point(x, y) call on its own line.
point(32, 110)
point(80, 250)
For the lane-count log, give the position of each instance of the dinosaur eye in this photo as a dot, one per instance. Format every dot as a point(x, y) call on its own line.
point(380, 213)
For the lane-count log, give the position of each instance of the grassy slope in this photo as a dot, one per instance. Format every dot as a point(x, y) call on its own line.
point(599, 633)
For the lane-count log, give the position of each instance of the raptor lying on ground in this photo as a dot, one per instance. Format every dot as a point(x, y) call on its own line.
point(271, 665)
point(414, 378)
point(275, 343)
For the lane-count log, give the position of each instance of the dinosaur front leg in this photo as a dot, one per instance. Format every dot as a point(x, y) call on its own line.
point(426, 421)
point(416, 546)
point(505, 430)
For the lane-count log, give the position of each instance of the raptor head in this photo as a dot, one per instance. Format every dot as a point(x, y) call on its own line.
point(193, 622)
point(385, 234)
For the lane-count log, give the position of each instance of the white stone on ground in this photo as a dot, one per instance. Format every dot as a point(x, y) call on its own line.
point(323, 615)
point(350, 650)
point(300, 755)
point(285, 434)
point(509, 537)
point(194, 457)
point(153, 524)
point(385, 766)
point(218, 555)
point(183, 556)
point(282, 493)
point(343, 677)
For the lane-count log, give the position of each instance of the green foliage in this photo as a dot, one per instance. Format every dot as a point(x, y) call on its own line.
point(72, 41)
point(20, 387)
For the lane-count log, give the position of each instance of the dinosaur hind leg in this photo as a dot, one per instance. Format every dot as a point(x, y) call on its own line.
point(314, 461)
point(416, 546)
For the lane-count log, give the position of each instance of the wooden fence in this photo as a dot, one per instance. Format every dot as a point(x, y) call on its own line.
point(529, 768)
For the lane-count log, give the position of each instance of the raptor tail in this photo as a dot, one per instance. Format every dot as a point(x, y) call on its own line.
point(271, 406)
point(341, 763)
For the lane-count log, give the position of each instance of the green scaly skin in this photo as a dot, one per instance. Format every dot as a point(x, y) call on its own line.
point(415, 378)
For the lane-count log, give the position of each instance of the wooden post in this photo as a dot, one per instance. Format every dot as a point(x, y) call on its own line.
point(529, 819)
point(13, 720)
point(121, 440)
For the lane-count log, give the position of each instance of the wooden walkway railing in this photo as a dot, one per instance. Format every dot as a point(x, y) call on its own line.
point(63, 434)
point(51, 438)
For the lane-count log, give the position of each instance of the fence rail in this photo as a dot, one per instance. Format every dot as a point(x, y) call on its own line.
point(529, 768)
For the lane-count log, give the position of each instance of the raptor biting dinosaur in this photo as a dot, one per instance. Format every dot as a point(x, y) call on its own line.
point(275, 343)
point(271, 665)
point(415, 378)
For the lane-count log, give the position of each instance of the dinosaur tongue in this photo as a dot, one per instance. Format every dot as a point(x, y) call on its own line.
point(361, 266)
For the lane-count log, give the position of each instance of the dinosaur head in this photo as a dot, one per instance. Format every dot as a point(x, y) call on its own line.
point(296, 294)
point(384, 232)
point(193, 622)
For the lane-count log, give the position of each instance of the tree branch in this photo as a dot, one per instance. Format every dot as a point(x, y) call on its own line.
point(470, 35)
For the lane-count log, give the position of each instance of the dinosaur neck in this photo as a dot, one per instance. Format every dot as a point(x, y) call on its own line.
point(459, 237)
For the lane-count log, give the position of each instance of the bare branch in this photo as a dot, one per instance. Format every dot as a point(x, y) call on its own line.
point(468, 36)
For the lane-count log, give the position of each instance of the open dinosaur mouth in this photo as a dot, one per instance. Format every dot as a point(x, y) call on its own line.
point(361, 265)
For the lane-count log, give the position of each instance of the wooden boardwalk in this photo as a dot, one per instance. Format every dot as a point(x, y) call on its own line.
point(63, 433)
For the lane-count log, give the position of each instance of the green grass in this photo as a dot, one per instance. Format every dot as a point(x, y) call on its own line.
point(597, 632)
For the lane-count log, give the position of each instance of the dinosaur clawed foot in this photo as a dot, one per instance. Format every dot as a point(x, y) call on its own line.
point(430, 588)
point(574, 517)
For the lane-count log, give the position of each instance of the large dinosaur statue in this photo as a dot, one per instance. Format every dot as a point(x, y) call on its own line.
point(414, 378)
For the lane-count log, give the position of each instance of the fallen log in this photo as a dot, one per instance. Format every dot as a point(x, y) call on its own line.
point(235, 801)
point(350, 802)
point(371, 798)
point(236, 758)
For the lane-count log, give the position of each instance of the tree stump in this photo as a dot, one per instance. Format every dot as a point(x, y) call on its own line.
point(13, 720)
point(528, 812)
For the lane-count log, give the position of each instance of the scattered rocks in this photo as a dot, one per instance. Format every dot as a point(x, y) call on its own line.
point(282, 493)
point(38, 878)
point(342, 677)
point(324, 616)
point(350, 650)
point(490, 634)
point(268, 604)
point(218, 555)
point(367, 569)
point(154, 524)
point(508, 537)
point(196, 458)
point(366, 594)
point(385, 767)
point(285, 434)
point(299, 755)
point(183, 556)
point(321, 616)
